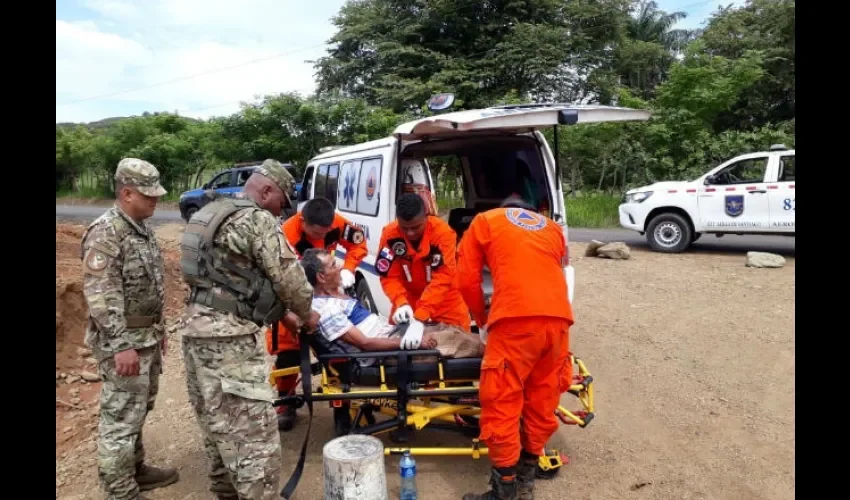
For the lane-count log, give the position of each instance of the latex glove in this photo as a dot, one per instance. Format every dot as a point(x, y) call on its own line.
point(482, 334)
point(347, 278)
point(413, 336)
point(403, 314)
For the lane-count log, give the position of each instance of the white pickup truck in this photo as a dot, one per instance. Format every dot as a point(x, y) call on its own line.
point(750, 194)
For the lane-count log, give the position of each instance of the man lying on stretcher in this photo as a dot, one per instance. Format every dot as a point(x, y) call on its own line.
point(343, 318)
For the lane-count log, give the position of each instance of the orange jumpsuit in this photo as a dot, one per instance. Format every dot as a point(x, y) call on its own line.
point(526, 359)
point(422, 277)
point(343, 233)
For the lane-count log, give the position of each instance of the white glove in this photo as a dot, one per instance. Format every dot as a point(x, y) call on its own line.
point(403, 314)
point(347, 278)
point(413, 336)
point(482, 334)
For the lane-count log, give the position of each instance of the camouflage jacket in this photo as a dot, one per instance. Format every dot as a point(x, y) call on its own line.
point(252, 239)
point(123, 283)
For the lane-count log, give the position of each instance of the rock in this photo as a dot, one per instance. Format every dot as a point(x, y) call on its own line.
point(90, 377)
point(74, 392)
point(71, 379)
point(58, 375)
point(764, 259)
point(90, 361)
point(68, 429)
point(617, 250)
point(591, 249)
point(83, 352)
point(63, 375)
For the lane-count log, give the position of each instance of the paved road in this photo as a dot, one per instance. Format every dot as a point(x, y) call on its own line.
point(708, 243)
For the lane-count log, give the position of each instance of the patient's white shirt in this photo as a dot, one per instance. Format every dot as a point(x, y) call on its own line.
point(338, 315)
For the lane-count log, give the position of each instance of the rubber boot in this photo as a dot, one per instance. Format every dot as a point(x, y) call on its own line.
point(525, 475)
point(150, 478)
point(286, 419)
point(504, 486)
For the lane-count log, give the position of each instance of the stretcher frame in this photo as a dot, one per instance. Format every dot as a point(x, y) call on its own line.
point(450, 404)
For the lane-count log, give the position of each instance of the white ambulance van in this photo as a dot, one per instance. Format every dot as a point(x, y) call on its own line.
point(498, 148)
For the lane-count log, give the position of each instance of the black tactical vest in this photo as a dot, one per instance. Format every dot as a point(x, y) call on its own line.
point(255, 300)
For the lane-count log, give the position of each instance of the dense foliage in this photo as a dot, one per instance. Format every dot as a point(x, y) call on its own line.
point(717, 92)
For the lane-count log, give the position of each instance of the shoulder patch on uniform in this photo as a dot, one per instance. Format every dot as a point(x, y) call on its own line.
point(95, 261)
point(352, 234)
point(436, 257)
point(398, 246)
point(525, 219)
point(384, 261)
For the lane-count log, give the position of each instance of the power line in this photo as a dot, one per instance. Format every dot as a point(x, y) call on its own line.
point(282, 54)
point(189, 77)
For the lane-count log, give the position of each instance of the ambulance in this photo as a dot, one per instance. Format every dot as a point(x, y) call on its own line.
point(500, 150)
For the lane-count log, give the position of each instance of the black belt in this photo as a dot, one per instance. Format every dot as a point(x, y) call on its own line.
point(307, 389)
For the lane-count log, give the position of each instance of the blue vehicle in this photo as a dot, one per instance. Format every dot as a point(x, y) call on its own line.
point(226, 183)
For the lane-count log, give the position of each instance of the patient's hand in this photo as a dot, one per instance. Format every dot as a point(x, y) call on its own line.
point(428, 341)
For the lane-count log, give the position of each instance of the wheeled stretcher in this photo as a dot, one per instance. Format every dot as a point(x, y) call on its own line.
point(405, 391)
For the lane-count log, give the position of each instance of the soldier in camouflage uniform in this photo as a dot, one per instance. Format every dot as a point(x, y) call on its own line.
point(242, 274)
point(123, 287)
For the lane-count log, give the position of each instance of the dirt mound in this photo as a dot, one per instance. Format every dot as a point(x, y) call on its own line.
point(77, 387)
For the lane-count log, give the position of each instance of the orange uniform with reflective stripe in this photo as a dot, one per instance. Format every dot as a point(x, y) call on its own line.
point(422, 277)
point(526, 359)
point(343, 233)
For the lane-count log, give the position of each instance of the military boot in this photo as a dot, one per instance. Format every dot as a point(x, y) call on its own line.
point(150, 478)
point(286, 419)
point(525, 475)
point(504, 486)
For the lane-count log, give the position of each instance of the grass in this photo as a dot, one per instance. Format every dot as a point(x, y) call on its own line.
point(597, 210)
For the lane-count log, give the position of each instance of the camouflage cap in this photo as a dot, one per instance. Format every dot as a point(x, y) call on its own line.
point(275, 171)
point(140, 174)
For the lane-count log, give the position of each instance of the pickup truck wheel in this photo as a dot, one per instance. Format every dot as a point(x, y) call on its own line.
point(669, 233)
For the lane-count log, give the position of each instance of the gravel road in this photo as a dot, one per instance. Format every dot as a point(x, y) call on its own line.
point(693, 361)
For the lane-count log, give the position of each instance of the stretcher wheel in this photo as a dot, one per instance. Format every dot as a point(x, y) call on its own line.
point(550, 464)
point(342, 421)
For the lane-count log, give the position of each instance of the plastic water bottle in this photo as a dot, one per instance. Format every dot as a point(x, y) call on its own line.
point(407, 470)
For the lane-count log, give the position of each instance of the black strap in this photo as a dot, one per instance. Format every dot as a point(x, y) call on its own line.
point(307, 389)
point(274, 337)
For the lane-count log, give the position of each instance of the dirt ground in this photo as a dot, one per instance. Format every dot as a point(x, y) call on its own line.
point(692, 357)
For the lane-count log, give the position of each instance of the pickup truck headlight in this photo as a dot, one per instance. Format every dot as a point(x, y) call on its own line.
point(639, 197)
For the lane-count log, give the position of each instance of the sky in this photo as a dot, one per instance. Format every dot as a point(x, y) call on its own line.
point(201, 58)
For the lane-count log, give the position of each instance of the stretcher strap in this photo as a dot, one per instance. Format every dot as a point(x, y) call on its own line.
point(306, 387)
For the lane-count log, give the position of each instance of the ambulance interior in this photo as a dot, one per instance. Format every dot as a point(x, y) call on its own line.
point(491, 168)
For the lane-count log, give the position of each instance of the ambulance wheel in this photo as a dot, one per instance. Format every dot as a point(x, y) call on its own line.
point(669, 233)
point(364, 296)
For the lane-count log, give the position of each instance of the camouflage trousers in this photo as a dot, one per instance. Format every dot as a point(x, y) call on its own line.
point(227, 379)
point(124, 405)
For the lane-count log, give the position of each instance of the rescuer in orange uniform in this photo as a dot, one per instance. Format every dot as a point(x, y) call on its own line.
point(316, 226)
point(416, 265)
point(526, 358)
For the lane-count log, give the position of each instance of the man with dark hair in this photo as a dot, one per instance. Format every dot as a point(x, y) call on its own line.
point(343, 318)
point(526, 365)
point(316, 226)
point(416, 264)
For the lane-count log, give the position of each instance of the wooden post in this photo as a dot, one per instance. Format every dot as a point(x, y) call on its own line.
point(354, 468)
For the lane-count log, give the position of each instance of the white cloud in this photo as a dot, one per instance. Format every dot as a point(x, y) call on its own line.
point(200, 57)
